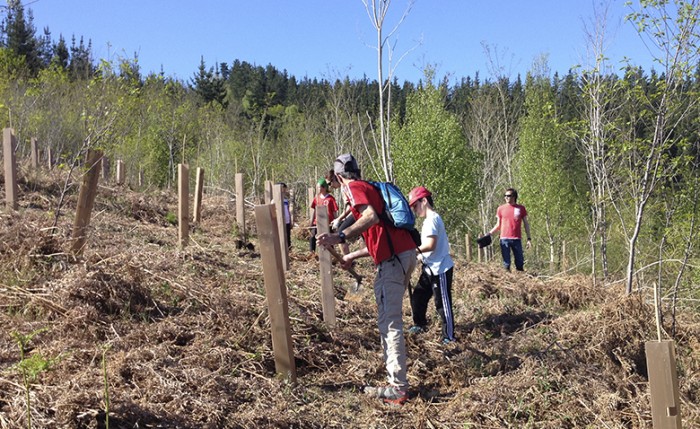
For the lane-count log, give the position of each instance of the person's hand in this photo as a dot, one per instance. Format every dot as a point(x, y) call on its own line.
point(335, 224)
point(346, 263)
point(528, 244)
point(327, 239)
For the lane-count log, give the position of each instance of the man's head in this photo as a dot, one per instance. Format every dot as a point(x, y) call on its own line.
point(322, 186)
point(511, 196)
point(346, 167)
point(332, 180)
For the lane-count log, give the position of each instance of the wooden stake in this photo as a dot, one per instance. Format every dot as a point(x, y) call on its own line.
point(324, 258)
point(564, 262)
point(663, 384)
point(121, 172)
point(279, 211)
point(268, 192)
point(9, 144)
point(276, 291)
point(198, 191)
point(105, 169)
point(240, 207)
point(34, 153)
point(86, 201)
point(183, 213)
point(311, 193)
point(468, 247)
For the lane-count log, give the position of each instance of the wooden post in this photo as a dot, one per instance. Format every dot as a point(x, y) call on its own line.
point(183, 213)
point(198, 191)
point(663, 384)
point(268, 192)
point(9, 144)
point(121, 172)
point(468, 247)
point(34, 149)
point(324, 258)
point(311, 193)
point(276, 291)
point(279, 210)
point(564, 263)
point(142, 177)
point(86, 201)
point(49, 158)
point(292, 206)
point(105, 169)
point(479, 251)
point(240, 206)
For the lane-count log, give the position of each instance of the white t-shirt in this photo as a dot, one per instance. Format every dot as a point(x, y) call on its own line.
point(439, 260)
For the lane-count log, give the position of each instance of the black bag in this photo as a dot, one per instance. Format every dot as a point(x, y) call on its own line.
point(484, 241)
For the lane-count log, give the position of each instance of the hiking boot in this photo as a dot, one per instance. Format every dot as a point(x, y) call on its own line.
point(388, 394)
point(415, 329)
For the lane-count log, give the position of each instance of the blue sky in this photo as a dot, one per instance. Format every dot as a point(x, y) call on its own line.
point(331, 38)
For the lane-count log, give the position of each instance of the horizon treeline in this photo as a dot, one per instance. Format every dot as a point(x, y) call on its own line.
point(605, 162)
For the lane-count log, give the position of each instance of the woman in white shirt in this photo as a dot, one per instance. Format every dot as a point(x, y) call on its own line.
point(436, 275)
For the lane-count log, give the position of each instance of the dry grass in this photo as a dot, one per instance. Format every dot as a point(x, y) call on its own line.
point(187, 339)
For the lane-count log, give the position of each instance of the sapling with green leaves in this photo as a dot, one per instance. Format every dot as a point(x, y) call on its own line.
point(30, 366)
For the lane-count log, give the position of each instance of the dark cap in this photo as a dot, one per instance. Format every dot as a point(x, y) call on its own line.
point(345, 163)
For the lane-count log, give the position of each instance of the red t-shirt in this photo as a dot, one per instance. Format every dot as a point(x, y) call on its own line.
point(511, 217)
point(328, 201)
point(376, 238)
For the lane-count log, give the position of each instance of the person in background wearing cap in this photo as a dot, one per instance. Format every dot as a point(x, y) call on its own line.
point(393, 272)
point(346, 218)
point(323, 198)
point(436, 275)
point(509, 217)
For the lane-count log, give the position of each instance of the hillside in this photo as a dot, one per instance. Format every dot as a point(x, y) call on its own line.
point(180, 338)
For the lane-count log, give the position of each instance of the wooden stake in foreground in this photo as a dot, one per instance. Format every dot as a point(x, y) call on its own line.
point(663, 384)
point(281, 227)
point(198, 191)
point(240, 207)
point(327, 295)
point(86, 201)
point(276, 291)
point(183, 214)
point(8, 146)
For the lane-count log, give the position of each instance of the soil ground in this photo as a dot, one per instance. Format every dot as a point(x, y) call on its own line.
point(152, 336)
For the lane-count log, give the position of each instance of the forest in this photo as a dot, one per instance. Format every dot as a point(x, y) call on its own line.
point(604, 156)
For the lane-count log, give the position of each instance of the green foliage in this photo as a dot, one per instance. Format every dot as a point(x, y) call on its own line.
point(548, 167)
point(430, 150)
point(30, 366)
point(171, 218)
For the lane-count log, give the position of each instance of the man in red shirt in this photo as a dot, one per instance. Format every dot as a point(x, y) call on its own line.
point(393, 271)
point(509, 217)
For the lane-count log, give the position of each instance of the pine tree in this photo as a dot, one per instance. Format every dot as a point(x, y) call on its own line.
point(20, 36)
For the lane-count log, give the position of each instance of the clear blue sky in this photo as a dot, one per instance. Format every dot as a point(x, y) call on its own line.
point(327, 38)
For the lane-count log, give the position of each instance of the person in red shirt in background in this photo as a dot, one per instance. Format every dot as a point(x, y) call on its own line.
point(393, 272)
point(323, 198)
point(509, 217)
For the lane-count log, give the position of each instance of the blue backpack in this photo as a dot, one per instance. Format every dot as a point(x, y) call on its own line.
point(397, 212)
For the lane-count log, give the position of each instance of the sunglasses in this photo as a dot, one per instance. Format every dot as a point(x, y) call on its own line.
point(508, 195)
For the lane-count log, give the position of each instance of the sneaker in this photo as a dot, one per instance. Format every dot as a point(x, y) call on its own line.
point(415, 329)
point(448, 341)
point(388, 394)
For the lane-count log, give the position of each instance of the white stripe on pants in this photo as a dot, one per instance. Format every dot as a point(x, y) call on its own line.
point(390, 284)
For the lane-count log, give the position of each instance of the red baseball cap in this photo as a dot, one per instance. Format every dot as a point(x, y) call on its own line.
point(417, 193)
